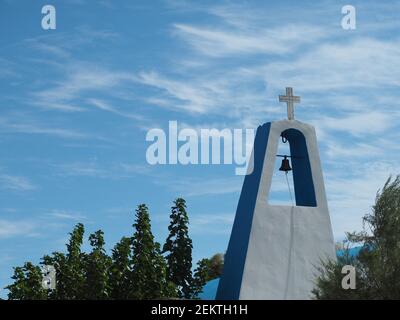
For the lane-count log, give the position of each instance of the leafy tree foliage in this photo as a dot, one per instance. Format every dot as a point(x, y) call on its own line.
point(216, 266)
point(136, 268)
point(201, 276)
point(178, 247)
point(329, 282)
point(97, 265)
point(378, 263)
point(120, 269)
point(148, 276)
point(70, 268)
point(207, 270)
point(73, 270)
point(27, 283)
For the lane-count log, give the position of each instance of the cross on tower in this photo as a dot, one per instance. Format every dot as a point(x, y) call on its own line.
point(290, 99)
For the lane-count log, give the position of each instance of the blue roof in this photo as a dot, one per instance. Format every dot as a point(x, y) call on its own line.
point(209, 290)
point(353, 252)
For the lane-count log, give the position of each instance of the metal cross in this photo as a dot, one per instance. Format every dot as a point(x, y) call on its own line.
point(290, 99)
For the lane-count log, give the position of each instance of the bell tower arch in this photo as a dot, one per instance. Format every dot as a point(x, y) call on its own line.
point(274, 250)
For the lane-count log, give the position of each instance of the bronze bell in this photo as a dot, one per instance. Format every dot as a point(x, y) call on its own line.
point(285, 166)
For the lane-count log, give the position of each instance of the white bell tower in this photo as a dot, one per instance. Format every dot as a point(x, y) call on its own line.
point(274, 250)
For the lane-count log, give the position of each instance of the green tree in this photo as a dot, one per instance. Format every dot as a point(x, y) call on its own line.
point(27, 284)
point(201, 276)
point(178, 247)
point(58, 260)
point(216, 266)
point(97, 265)
point(71, 268)
point(378, 263)
point(161, 285)
point(148, 276)
point(136, 269)
point(329, 281)
point(207, 270)
point(120, 269)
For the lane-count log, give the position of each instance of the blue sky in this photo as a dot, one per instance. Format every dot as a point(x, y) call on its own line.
point(76, 103)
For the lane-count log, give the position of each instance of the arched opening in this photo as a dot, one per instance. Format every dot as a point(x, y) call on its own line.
point(295, 186)
point(281, 191)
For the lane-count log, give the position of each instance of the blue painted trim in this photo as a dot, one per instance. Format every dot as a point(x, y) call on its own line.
point(302, 177)
point(235, 257)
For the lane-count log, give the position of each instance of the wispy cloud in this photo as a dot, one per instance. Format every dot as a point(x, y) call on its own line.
point(343, 65)
point(81, 78)
point(102, 105)
point(63, 44)
point(211, 223)
point(351, 192)
point(10, 229)
point(218, 42)
point(358, 150)
point(34, 127)
point(203, 187)
point(191, 98)
point(67, 215)
point(82, 169)
point(8, 68)
point(95, 169)
point(360, 124)
point(16, 183)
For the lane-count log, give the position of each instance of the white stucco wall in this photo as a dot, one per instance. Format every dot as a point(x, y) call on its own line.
point(286, 243)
